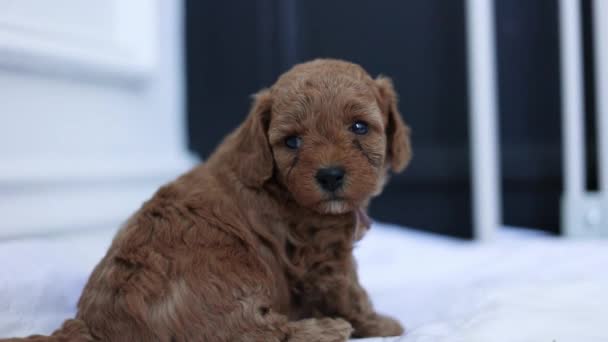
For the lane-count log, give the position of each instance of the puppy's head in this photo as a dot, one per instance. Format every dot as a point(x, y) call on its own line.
point(328, 133)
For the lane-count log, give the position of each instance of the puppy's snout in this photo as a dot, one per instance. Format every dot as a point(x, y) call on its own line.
point(330, 178)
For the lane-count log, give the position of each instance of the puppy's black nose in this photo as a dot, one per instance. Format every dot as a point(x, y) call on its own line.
point(330, 178)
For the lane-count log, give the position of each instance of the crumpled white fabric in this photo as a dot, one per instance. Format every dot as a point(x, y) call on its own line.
point(524, 286)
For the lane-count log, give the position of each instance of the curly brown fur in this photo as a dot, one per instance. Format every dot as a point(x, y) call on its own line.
point(247, 247)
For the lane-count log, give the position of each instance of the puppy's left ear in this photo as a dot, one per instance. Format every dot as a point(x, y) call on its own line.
point(397, 132)
point(255, 164)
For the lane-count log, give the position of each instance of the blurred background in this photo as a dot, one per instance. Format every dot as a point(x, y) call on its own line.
point(102, 102)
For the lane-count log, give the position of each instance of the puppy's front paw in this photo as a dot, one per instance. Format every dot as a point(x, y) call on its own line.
point(335, 327)
point(320, 330)
point(379, 326)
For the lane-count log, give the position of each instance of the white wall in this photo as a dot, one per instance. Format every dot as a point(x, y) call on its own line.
point(91, 110)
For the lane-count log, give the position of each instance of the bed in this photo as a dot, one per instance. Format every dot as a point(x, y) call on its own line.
point(523, 286)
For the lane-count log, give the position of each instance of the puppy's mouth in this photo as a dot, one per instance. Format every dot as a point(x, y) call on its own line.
point(335, 205)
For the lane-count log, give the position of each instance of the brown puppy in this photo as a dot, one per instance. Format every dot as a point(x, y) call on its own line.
point(255, 244)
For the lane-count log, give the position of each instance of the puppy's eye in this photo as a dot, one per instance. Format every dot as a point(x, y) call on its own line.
point(293, 142)
point(359, 127)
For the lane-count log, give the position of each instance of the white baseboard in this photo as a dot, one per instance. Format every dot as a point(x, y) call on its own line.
point(17, 171)
point(83, 196)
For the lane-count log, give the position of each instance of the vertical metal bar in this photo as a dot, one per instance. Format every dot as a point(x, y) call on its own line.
point(600, 33)
point(572, 98)
point(483, 109)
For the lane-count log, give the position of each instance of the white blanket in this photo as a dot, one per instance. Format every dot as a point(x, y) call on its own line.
point(524, 286)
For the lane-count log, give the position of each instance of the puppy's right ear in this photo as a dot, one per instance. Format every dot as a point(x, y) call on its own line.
point(255, 163)
point(397, 132)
